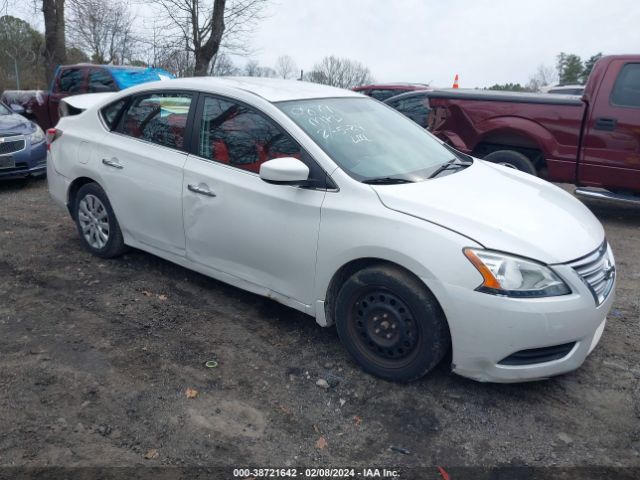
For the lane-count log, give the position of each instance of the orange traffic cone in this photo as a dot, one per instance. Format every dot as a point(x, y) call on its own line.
point(455, 82)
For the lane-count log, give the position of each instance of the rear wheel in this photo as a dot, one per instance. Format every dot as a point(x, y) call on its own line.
point(390, 323)
point(512, 159)
point(96, 222)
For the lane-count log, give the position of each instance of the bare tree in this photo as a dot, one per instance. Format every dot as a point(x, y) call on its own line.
point(54, 36)
point(204, 26)
point(154, 45)
point(253, 69)
point(223, 66)
point(175, 60)
point(286, 67)
point(104, 30)
point(340, 72)
point(542, 77)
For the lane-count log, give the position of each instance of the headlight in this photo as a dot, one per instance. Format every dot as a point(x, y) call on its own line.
point(514, 276)
point(37, 136)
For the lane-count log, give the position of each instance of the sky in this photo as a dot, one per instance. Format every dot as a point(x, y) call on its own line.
point(484, 41)
point(429, 41)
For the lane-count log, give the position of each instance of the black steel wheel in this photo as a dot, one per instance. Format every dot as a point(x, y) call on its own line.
point(383, 326)
point(390, 323)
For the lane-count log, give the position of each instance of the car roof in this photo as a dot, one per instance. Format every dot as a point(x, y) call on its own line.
point(271, 89)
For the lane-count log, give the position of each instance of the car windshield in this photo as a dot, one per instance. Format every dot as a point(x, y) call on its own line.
point(4, 110)
point(369, 140)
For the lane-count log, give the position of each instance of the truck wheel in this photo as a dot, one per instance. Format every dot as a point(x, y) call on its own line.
point(512, 159)
point(391, 323)
point(96, 222)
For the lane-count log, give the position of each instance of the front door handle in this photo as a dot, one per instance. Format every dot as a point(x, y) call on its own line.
point(112, 163)
point(201, 190)
point(607, 124)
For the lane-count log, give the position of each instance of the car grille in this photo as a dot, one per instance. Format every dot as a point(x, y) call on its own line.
point(10, 145)
point(597, 270)
point(538, 355)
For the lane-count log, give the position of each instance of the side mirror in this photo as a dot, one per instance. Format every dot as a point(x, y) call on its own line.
point(286, 171)
point(19, 109)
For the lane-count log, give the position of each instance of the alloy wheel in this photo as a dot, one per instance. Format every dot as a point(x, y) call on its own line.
point(94, 221)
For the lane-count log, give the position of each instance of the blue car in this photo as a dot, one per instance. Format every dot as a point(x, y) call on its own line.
point(23, 149)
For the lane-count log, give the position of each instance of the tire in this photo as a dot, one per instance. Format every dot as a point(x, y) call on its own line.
point(97, 224)
point(391, 324)
point(512, 159)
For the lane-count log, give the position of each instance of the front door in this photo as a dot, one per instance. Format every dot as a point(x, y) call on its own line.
point(235, 222)
point(611, 145)
point(141, 165)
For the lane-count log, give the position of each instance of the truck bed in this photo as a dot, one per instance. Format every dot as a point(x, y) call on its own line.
point(544, 127)
point(500, 96)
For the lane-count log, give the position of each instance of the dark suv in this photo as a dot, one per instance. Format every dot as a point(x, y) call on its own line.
point(382, 92)
point(414, 105)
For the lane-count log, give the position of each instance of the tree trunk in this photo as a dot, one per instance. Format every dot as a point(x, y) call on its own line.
point(205, 52)
point(55, 52)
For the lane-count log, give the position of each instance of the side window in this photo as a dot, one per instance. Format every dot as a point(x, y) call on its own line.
point(237, 135)
point(110, 113)
point(159, 118)
point(416, 108)
point(70, 80)
point(366, 92)
point(101, 81)
point(382, 95)
point(626, 92)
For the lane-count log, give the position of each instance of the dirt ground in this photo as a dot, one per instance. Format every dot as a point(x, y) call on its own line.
point(96, 356)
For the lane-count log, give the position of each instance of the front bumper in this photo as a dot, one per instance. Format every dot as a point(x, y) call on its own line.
point(30, 162)
point(486, 329)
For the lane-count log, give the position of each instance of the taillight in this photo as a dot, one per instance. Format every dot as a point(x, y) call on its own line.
point(52, 135)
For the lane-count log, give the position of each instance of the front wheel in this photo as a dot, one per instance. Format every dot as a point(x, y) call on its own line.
point(391, 324)
point(96, 222)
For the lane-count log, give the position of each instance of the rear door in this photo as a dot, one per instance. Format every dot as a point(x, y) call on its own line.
point(141, 164)
point(237, 223)
point(611, 144)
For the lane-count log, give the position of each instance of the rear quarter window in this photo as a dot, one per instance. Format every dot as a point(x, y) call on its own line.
point(111, 113)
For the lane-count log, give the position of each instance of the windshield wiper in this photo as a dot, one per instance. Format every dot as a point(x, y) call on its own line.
point(386, 181)
point(453, 163)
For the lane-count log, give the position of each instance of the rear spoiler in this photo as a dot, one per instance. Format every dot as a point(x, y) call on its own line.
point(77, 104)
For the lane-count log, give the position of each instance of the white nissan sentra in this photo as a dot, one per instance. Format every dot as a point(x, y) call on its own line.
point(338, 206)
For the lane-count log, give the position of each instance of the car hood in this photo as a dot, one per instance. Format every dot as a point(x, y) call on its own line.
point(502, 209)
point(14, 123)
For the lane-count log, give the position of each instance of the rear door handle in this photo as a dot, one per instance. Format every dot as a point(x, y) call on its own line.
point(201, 190)
point(112, 163)
point(607, 124)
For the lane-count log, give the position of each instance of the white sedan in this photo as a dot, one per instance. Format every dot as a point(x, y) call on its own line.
point(338, 206)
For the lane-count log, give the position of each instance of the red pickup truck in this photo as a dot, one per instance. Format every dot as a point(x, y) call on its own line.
point(590, 141)
point(42, 107)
